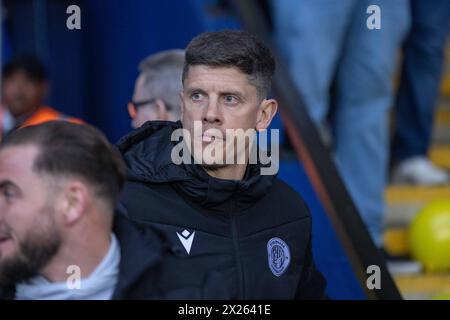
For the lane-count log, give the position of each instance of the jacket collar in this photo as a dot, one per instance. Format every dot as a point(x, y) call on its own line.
point(138, 254)
point(147, 153)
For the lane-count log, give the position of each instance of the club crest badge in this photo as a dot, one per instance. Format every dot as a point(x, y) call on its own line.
point(279, 256)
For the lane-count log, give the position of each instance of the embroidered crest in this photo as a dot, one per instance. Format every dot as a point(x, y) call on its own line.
point(279, 256)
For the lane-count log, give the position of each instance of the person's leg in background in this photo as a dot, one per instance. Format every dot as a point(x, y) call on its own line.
point(310, 34)
point(419, 86)
point(363, 98)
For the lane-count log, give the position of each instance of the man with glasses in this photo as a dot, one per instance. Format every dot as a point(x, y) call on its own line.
point(157, 88)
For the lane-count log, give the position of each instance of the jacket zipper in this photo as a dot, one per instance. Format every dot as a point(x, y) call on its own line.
point(234, 233)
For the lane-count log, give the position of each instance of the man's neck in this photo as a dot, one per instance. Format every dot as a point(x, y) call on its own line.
point(232, 172)
point(86, 254)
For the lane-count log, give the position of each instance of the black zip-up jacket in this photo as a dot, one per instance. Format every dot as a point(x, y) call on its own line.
point(252, 237)
point(142, 255)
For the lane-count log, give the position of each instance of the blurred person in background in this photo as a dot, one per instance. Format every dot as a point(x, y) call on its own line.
point(157, 88)
point(423, 57)
point(329, 47)
point(24, 89)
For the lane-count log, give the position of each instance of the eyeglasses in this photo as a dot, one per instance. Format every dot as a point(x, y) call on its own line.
point(139, 104)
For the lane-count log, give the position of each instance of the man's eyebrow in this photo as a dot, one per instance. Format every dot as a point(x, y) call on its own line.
point(195, 89)
point(6, 183)
point(231, 92)
point(222, 93)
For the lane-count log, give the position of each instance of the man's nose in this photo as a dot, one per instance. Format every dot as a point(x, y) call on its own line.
point(213, 112)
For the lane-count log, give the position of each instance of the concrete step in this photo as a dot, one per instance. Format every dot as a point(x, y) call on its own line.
point(398, 194)
point(442, 117)
point(440, 155)
point(423, 286)
point(441, 135)
point(445, 85)
point(403, 202)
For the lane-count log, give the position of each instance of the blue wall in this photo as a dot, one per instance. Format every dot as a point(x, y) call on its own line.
point(120, 36)
point(92, 70)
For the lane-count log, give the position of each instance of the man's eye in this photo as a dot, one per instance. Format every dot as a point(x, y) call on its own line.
point(231, 100)
point(196, 97)
point(8, 193)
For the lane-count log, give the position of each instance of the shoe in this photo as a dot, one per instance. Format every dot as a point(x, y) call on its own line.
point(400, 265)
point(419, 170)
point(404, 267)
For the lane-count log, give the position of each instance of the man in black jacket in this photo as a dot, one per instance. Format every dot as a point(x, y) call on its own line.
point(226, 219)
point(59, 239)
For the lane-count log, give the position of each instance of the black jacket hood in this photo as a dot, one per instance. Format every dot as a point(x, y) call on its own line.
point(147, 154)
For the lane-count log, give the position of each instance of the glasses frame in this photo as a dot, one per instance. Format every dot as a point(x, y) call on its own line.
point(139, 104)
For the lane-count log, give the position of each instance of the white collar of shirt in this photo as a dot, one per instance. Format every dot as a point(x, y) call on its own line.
point(99, 285)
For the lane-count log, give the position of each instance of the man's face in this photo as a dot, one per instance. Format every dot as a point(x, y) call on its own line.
point(22, 95)
point(219, 98)
point(29, 236)
point(144, 113)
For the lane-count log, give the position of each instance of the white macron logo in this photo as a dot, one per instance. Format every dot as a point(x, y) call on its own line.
point(186, 239)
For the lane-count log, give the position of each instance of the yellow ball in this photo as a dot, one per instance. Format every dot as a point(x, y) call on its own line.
point(429, 236)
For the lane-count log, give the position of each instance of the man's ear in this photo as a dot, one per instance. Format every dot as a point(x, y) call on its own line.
point(132, 110)
point(75, 199)
point(267, 110)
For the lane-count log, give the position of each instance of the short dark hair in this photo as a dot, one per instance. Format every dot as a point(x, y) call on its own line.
point(74, 149)
point(233, 48)
point(31, 66)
